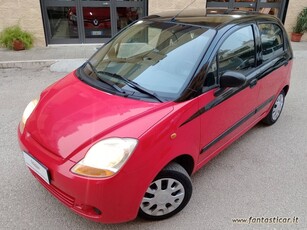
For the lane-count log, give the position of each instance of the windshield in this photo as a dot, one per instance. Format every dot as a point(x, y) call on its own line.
point(149, 59)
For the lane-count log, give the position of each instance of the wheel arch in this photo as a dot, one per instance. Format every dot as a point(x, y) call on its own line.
point(286, 89)
point(186, 161)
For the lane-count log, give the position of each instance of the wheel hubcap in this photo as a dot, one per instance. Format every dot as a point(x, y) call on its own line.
point(278, 107)
point(162, 197)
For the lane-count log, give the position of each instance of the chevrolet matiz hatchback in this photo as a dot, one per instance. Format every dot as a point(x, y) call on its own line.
point(121, 135)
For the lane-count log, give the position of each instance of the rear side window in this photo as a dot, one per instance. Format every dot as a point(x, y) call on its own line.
point(271, 40)
point(237, 52)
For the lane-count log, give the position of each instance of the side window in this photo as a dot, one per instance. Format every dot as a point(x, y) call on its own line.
point(237, 52)
point(271, 40)
point(211, 77)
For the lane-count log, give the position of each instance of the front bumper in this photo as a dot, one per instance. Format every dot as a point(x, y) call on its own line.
point(108, 200)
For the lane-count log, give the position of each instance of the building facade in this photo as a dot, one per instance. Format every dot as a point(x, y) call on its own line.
point(95, 21)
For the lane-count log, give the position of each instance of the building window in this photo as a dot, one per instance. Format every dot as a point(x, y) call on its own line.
point(273, 7)
point(80, 21)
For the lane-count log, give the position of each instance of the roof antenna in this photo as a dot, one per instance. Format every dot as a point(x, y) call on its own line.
point(174, 18)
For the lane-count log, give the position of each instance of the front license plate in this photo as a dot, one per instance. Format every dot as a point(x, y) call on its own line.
point(37, 167)
point(96, 33)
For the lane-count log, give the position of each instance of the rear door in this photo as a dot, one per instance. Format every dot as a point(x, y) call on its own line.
point(274, 72)
point(226, 113)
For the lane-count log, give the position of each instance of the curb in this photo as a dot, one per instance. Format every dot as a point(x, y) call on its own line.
point(55, 65)
point(26, 64)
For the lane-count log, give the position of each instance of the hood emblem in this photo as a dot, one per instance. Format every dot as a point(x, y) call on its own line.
point(95, 22)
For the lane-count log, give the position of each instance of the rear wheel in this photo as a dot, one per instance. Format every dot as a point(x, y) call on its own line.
point(168, 194)
point(276, 110)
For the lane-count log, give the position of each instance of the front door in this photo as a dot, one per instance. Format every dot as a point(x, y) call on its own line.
point(227, 113)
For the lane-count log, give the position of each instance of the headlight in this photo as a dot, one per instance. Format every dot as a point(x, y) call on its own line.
point(106, 157)
point(27, 112)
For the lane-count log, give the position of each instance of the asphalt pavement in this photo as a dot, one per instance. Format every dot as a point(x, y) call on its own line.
point(261, 177)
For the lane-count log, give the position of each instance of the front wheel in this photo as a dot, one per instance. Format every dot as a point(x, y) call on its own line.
point(275, 112)
point(168, 194)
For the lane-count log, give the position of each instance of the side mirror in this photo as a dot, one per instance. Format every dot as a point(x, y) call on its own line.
point(232, 79)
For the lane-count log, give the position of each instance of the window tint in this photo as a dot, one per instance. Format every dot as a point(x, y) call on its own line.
point(211, 77)
point(271, 40)
point(238, 51)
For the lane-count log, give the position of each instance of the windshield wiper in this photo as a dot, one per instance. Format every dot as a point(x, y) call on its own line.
point(104, 80)
point(133, 85)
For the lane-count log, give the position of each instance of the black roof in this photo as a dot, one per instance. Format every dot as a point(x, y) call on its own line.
point(212, 18)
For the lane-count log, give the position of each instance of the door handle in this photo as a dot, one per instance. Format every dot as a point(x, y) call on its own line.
point(253, 83)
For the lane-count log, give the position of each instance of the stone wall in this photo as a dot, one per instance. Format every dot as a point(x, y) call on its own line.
point(155, 6)
point(26, 13)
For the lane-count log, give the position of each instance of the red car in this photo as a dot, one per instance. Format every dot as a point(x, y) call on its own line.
point(97, 20)
point(122, 135)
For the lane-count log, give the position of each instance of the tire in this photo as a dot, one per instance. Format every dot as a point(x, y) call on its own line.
point(276, 110)
point(167, 195)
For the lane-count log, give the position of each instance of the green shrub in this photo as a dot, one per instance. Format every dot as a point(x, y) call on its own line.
point(301, 22)
point(9, 34)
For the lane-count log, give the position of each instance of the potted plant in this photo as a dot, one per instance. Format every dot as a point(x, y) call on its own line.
point(300, 26)
point(15, 38)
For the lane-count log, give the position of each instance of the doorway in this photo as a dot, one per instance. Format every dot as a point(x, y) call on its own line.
point(273, 7)
point(88, 21)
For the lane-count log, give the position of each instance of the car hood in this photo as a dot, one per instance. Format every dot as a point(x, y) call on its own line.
point(72, 115)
